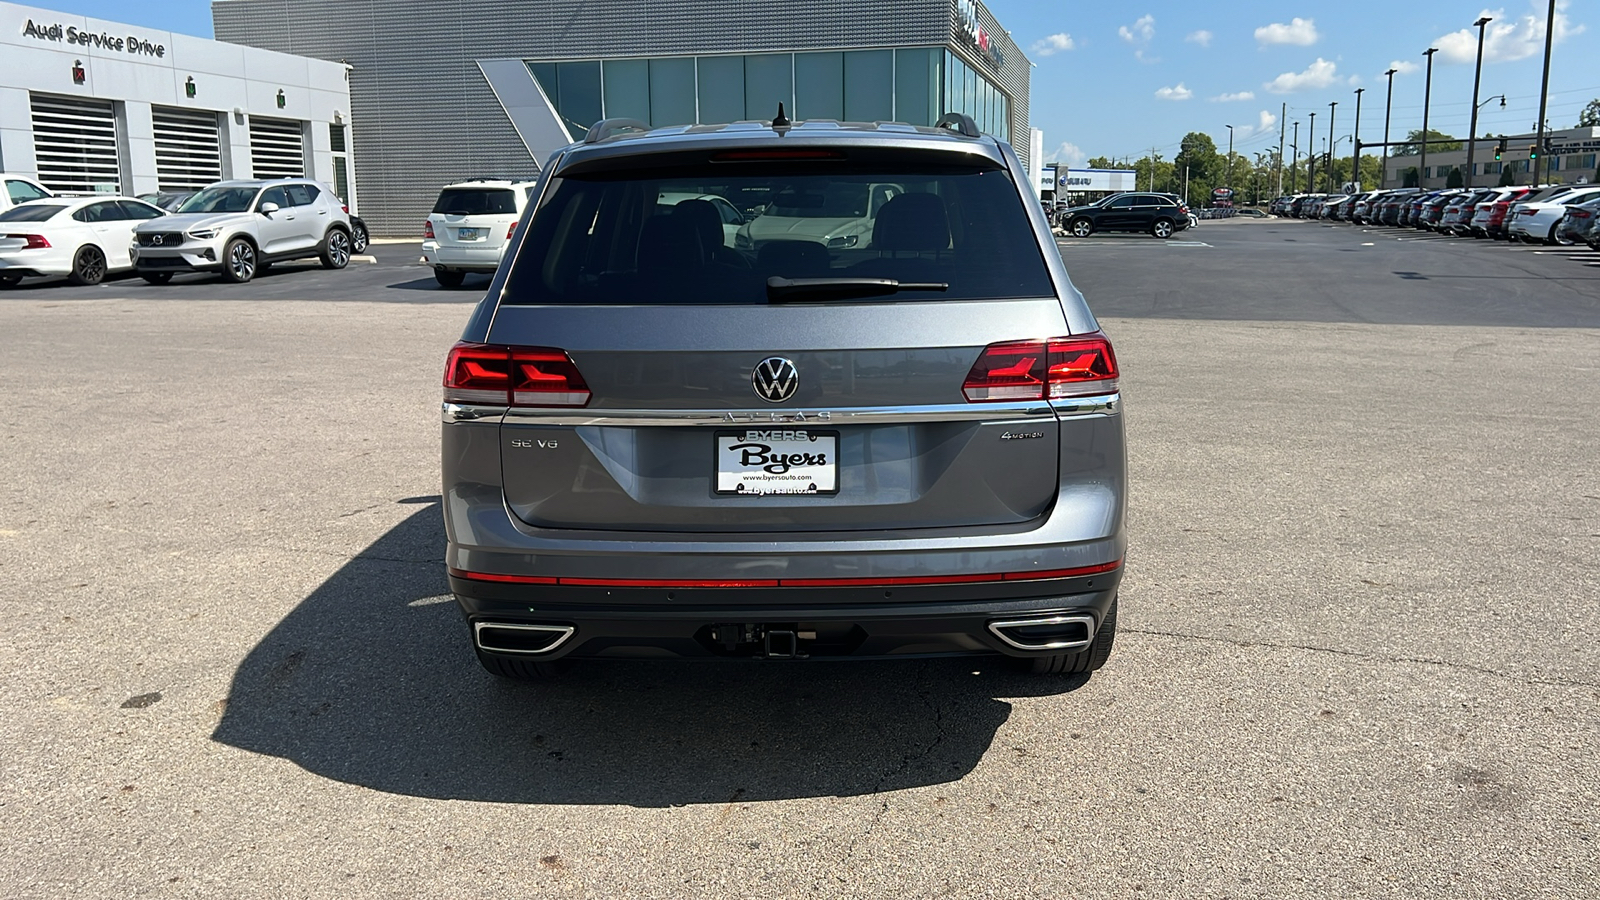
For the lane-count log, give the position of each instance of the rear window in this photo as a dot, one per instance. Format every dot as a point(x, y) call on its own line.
point(606, 238)
point(476, 202)
point(33, 212)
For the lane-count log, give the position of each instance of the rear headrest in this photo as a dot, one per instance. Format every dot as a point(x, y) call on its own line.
point(792, 259)
point(701, 218)
point(666, 246)
point(912, 222)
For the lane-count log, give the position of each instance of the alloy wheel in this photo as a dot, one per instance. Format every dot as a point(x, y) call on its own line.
point(242, 261)
point(1082, 228)
point(338, 249)
point(89, 267)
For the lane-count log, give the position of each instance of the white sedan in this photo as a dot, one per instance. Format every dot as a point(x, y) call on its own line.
point(83, 238)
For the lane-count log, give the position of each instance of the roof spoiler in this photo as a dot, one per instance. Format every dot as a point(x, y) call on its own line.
point(605, 128)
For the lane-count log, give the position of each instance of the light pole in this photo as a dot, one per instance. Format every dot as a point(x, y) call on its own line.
point(1294, 161)
point(1329, 176)
point(1230, 157)
point(1477, 77)
point(1544, 89)
point(1311, 155)
point(1355, 155)
point(1427, 95)
point(1383, 177)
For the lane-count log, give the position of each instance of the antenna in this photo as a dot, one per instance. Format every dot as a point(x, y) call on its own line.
point(780, 120)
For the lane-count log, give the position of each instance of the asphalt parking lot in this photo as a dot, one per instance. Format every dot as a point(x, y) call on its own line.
point(1357, 654)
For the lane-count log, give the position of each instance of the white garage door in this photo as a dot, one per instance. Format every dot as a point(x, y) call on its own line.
point(188, 150)
point(75, 144)
point(277, 148)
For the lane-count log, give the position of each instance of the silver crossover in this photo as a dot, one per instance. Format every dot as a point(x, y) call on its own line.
point(667, 434)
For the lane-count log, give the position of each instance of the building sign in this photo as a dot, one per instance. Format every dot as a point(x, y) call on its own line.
point(1222, 196)
point(1095, 180)
point(71, 34)
point(1572, 147)
point(981, 40)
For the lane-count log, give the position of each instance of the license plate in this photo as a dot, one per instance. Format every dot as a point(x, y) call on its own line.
point(467, 234)
point(760, 462)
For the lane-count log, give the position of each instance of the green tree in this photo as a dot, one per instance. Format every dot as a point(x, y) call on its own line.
point(1102, 162)
point(1591, 114)
point(1455, 180)
point(1416, 135)
point(1508, 176)
point(1198, 155)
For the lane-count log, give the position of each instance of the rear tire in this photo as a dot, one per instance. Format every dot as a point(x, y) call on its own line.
point(1162, 228)
point(88, 267)
point(156, 277)
point(1081, 228)
point(336, 249)
point(520, 669)
point(10, 281)
point(359, 238)
point(449, 279)
point(1089, 659)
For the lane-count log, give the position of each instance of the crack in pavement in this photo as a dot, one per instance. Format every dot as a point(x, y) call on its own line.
point(906, 762)
point(1372, 657)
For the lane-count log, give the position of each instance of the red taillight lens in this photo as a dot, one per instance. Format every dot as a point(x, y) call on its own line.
point(427, 230)
point(512, 231)
point(1037, 370)
point(32, 241)
point(514, 376)
point(346, 208)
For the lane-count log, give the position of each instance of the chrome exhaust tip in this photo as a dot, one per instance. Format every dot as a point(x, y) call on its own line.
point(1054, 632)
point(528, 640)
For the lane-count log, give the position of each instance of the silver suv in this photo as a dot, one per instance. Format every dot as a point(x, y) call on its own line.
point(656, 444)
point(238, 228)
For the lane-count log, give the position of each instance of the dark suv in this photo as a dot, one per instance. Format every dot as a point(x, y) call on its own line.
point(661, 439)
point(1158, 214)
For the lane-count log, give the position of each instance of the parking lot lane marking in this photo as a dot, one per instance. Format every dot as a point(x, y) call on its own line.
point(1369, 244)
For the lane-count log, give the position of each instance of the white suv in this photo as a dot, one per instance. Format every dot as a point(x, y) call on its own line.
point(21, 189)
point(238, 228)
point(471, 226)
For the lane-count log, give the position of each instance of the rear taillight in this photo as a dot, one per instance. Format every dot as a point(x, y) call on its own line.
point(513, 376)
point(427, 230)
point(1039, 370)
point(512, 231)
point(33, 241)
point(346, 208)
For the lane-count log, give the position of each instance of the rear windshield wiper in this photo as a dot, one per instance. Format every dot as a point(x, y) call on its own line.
point(782, 290)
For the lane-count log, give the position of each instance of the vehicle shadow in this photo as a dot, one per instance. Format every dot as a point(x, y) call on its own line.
point(474, 286)
point(371, 681)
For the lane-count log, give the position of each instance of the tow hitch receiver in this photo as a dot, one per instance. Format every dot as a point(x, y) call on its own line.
point(762, 641)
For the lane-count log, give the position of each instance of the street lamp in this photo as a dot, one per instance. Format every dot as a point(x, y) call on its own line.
point(1383, 177)
point(1230, 156)
point(1477, 76)
point(1427, 94)
point(1294, 162)
point(1311, 155)
point(1330, 145)
point(1355, 155)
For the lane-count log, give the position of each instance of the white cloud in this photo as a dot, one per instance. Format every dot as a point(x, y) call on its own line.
point(1067, 153)
point(1053, 44)
point(1264, 123)
point(1506, 39)
point(1233, 98)
point(1174, 93)
point(1402, 67)
point(1300, 32)
point(1140, 31)
point(1201, 37)
point(1354, 80)
point(1319, 74)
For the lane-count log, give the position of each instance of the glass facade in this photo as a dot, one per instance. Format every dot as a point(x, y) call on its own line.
point(912, 85)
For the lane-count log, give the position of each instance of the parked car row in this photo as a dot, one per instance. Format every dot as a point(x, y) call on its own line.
point(231, 228)
point(1559, 214)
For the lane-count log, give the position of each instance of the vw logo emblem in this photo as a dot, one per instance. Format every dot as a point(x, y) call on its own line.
point(775, 379)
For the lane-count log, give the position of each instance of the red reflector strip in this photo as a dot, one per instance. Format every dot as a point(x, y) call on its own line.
point(887, 581)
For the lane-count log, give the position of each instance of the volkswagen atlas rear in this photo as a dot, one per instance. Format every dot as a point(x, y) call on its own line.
point(660, 441)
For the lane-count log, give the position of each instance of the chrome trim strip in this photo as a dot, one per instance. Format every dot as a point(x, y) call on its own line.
point(728, 418)
point(1088, 623)
point(1081, 407)
point(477, 631)
point(468, 412)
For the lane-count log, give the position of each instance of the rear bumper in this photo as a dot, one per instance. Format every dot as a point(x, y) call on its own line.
point(482, 261)
point(787, 623)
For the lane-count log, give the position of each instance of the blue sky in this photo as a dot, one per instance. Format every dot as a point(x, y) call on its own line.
point(1118, 79)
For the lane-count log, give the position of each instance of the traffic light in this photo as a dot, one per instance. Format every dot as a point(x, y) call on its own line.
point(1499, 149)
point(1533, 151)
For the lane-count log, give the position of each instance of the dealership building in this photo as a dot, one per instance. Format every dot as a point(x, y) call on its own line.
point(444, 90)
point(90, 106)
point(1570, 156)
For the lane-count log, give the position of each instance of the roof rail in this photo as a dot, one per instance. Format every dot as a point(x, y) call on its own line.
point(960, 123)
point(605, 128)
